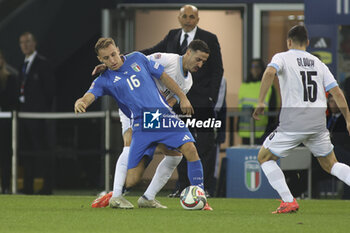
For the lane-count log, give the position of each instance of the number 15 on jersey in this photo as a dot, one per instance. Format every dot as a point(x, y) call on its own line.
point(310, 86)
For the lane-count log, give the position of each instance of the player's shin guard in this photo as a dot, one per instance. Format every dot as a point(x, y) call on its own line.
point(342, 171)
point(120, 172)
point(164, 170)
point(195, 173)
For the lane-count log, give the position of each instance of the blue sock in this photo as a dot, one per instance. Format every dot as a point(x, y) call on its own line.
point(195, 173)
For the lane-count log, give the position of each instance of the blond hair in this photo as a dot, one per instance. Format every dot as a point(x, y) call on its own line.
point(103, 43)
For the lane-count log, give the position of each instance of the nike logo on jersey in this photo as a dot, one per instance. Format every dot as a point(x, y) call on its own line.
point(186, 138)
point(116, 79)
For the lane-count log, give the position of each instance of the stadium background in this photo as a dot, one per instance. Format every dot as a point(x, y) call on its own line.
point(67, 31)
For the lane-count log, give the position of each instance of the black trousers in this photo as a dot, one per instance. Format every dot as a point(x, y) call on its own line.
point(5, 154)
point(343, 156)
point(35, 156)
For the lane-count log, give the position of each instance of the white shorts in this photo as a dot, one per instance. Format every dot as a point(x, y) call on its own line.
point(126, 122)
point(281, 143)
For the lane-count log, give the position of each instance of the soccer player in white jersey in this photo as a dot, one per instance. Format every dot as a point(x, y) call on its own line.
point(303, 81)
point(178, 68)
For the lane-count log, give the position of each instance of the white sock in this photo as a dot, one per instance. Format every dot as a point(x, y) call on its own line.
point(277, 180)
point(121, 169)
point(162, 175)
point(342, 171)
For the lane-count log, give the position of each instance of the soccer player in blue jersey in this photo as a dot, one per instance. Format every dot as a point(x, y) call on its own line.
point(129, 81)
point(178, 68)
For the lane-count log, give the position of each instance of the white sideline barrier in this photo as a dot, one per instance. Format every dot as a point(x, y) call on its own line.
point(5, 114)
point(52, 115)
point(63, 115)
point(97, 114)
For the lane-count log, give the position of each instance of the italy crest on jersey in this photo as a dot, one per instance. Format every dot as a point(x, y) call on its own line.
point(136, 67)
point(252, 174)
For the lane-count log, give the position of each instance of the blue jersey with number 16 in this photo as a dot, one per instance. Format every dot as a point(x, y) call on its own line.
point(132, 85)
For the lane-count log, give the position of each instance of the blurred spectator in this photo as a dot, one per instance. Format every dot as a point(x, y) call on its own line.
point(339, 136)
point(220, 134)
point(322, 181)
point(204, 92)
point(248, 98)
point(346, 87)
point(36, 95)
point(8, 102)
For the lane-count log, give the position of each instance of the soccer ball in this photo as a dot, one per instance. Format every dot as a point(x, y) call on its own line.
point(193, 198)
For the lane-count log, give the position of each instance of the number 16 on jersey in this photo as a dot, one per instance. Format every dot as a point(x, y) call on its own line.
point(133, 82)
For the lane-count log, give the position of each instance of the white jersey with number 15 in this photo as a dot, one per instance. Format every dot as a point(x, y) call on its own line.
point(303, 80)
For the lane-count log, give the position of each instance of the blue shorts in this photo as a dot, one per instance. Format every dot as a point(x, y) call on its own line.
point(144, 143)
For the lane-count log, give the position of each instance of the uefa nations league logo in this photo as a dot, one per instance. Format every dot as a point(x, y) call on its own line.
point(151, 120)
point(252, 173)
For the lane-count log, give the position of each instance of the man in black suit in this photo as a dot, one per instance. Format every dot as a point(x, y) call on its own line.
point(340, 138)
point(36, 95)
point(204, 92)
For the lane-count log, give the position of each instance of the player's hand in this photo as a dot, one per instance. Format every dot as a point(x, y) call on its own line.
point(99, 69)
point(186, 106)
point(259, 110)
point(79, 106)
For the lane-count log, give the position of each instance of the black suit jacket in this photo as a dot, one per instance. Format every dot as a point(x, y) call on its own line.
point(339, 134)
point(9, 94)
point(39, 86)
point(206, 81)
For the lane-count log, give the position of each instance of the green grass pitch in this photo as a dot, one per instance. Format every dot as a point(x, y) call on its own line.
point(20, 213)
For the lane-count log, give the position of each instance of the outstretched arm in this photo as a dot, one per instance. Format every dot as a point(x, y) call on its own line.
point(342, 104)
point(98, 69)
point(172, 101)
point(84, 102)
point(266, 83)
point(185, 104)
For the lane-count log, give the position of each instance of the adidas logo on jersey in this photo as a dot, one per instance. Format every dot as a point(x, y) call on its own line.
point(116, 79)
point(186, 138)
point(321, 43)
